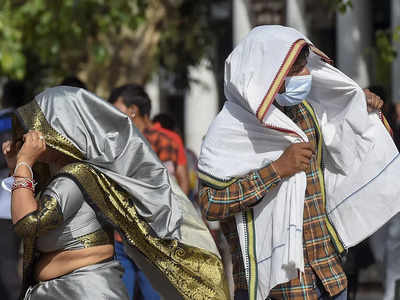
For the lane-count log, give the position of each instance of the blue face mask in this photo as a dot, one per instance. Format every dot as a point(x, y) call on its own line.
point(297, 89)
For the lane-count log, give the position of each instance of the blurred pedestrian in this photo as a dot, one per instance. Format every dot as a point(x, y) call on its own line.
point(193, 178)
point(133, 100)
point(294, 165)
point(166, 124)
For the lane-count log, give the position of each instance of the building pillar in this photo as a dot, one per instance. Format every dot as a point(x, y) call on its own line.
point(353, 38)
point(153, 90)
point(201, 105)
point(395, 20)
point(295, 15)
point(241, 20)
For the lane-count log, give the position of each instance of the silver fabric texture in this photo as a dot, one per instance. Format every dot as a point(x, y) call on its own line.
point(101, 281)
point(79, 217)
point(112, 144)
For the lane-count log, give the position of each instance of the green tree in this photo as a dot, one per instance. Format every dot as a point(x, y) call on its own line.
point(105, 42)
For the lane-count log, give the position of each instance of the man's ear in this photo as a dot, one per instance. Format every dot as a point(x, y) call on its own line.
point(133, 110)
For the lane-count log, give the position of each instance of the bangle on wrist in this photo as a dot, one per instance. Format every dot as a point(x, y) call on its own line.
point(22, 163)
point(23, 183)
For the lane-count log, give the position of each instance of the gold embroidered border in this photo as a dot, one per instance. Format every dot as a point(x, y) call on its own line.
point(195, 273)
point(321, 54)
point(28, 257)
point(252, 255)
point(34, 119)
point(291, 57)
point(99, 237)
point(50, 214)
point(331, 229)
point(386, 124)
point(219, 184)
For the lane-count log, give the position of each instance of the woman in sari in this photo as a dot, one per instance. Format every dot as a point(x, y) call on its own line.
point(96, 174)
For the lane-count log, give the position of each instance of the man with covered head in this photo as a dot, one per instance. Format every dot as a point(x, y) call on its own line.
point(297, 166)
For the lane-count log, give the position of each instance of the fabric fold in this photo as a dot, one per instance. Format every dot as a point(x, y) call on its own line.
point(359, 157)
point(129, 188)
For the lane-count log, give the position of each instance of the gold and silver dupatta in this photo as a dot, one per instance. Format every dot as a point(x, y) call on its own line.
point(129, 188)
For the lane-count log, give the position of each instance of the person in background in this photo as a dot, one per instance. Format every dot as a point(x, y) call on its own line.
point(193, 179)
point(14, 96)
point(167, 125)
point(166, 121)
point(132, 100)
point(73, 81)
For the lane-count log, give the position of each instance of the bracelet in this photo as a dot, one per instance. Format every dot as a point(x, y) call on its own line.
point(22, 179)
point(23, 184)
point(380, 115)
point(22, 163)
point(16, 176)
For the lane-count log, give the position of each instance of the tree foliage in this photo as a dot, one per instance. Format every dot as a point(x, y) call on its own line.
point(105, 42)
point(384, 53)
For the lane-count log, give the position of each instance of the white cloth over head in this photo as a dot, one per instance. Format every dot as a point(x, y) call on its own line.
point(361, 161)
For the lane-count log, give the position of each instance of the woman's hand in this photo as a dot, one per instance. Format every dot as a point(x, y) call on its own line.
point(34, 146)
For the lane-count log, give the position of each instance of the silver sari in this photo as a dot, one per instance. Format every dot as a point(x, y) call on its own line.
point(129, 188)
point(99, 281)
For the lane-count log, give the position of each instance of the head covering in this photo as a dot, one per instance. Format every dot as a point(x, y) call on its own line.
point(256, 68)
point(359, 156)
point(87, 128)
point(128, 187)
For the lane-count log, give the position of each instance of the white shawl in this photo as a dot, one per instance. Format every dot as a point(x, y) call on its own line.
point(360, 159)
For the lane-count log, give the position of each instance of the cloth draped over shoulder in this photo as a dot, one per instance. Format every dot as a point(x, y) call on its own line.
point(129, 188)
point(359, 157)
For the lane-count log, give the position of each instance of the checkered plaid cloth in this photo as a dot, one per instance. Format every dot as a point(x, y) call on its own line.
point(163, 146)
point(322, 262)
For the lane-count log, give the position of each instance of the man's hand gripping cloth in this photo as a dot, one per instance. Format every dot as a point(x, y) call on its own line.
point(360, 158)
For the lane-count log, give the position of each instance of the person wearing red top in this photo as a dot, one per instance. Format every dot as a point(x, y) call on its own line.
point(182, 173)
point(132, 100)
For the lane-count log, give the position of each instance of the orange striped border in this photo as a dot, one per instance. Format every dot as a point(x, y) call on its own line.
point(386, 123)
point(290, 58)
point(321, 54)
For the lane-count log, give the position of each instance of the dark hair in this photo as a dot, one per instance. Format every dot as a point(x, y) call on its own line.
point(14, 94)
point(302, 57)
point(379, 90)
point(134, 94)
point(116, 93)
point(166, 121)
point(73, 81)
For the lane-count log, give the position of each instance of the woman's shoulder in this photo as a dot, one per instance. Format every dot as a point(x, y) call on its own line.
point(60, 183)
point(69, 180)
point(66, 190)
point(64, 184)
